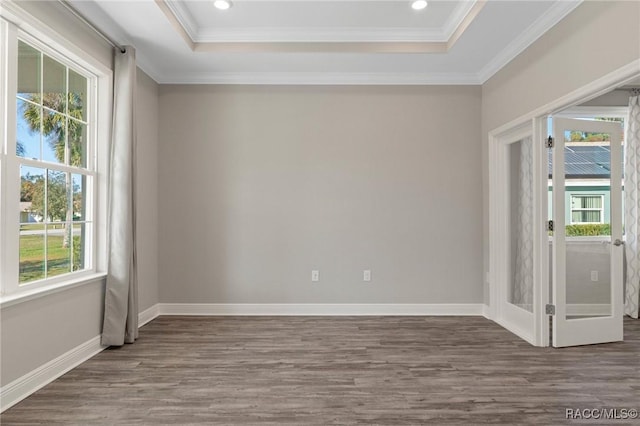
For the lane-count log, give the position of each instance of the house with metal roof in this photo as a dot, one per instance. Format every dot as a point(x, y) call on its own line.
point(587, 180)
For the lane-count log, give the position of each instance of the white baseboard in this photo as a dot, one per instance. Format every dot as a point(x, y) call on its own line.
point(486, 311)
point(148, 315)
point(524, 334)
point(321, 309)
point(24, 386)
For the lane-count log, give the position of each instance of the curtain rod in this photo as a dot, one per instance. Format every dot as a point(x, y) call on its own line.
point(78, 15)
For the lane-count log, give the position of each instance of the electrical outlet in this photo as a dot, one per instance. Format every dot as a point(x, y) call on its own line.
point(366, 275)
point(315, 275)
point(594, 276)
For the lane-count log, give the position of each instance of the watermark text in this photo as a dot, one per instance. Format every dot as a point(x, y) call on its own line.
point(601, 413)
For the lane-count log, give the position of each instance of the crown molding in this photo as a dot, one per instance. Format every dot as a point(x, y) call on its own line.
point(456, 18)
point(553, 15)
point(321, 78)
point(183, 16)
point(539, 27)
point(301, 34)
point(198, 37)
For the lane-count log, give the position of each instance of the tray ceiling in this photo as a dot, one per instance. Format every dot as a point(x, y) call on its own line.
point(324, 42)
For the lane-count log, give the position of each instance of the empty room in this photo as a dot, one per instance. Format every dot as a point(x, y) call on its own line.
point(301, 212)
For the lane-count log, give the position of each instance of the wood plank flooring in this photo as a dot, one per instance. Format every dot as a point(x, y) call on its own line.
point(337, 370)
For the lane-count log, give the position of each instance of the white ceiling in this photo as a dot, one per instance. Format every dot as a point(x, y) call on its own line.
point(324, 42)
point(320, 20)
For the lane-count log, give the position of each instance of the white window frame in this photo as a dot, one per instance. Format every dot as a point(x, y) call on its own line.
point(571, 209)
point(16, 24)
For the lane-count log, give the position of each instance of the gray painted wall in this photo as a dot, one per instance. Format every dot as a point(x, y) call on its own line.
point(40, 330)
point(260, 185)
point(37, 331)
point(615, 98)
point(572, 54)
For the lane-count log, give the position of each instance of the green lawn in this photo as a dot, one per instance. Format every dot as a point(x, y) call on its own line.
point(32, 254)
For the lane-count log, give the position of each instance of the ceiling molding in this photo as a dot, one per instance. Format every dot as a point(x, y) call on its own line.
point(539, 27)
point(346, 39)
point(105, 23)
point(301, 34)
point(456, 18)
point(183, 16)
point(465, 22)
point(175, 22)
point(321, 78)
point(553, 15)
point(322, 47)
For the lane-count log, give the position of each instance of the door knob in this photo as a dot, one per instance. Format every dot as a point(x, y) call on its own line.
point(618, 242)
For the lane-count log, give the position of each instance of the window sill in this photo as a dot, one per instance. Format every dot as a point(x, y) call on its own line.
point(25, 296)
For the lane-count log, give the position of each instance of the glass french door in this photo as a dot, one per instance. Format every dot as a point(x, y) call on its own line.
point(587, 241)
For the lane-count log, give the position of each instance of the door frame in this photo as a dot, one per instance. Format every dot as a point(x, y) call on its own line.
point(535, 120)
point(517, 320)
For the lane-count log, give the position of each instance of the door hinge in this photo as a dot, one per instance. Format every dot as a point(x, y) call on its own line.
point(550, 225)
point(549, 142)
point(550, 309)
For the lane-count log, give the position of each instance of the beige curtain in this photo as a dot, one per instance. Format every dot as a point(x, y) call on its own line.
point(632, 208)
point(121, 298)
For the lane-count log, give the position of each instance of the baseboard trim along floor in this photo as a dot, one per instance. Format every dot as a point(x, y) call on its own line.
point(26, 385)
point(321, 309)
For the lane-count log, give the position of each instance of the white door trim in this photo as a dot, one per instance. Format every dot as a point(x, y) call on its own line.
point(537, 116)
point(515, 319)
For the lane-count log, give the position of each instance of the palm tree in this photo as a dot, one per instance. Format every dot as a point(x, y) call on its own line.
point(54, 128)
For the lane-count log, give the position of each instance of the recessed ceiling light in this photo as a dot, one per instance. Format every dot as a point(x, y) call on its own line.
point(419, 4)
point(223, 4)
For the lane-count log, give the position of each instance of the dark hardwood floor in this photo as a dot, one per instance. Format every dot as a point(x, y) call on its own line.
point(337, 370)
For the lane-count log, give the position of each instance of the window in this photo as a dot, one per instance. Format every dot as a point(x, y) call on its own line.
point(587, 209)
point(55, 173)
point(50, 164)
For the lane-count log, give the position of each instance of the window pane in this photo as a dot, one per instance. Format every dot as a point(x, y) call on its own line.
point(32, 193)
point(55, 85)
point(54, 131)
point(580, 136)
point(77, 96)
point(587, 202)
point(57, 197)
point(79, 183)
point(77, 143)
point(28, 130)
point(28, 72)
point(31, 253)
point(591, 216)
point(80, 249)
point(576, 217)
point(58, 249)
point(586, 216)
